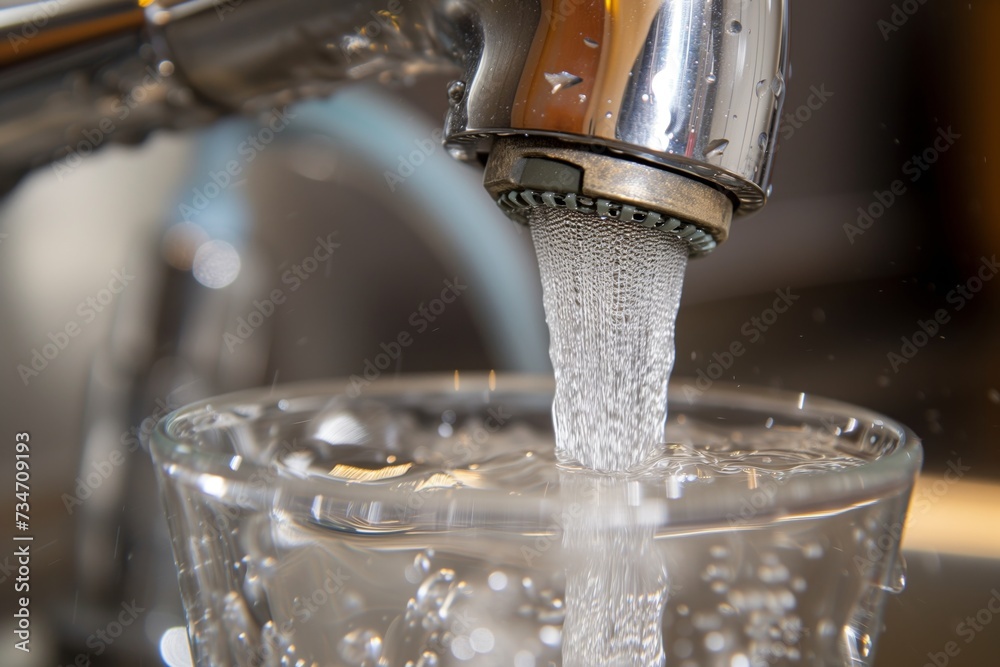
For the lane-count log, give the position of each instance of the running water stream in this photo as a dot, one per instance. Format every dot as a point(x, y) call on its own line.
point(611, 292)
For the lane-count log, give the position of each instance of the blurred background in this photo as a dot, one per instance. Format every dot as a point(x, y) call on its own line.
point(155, 280)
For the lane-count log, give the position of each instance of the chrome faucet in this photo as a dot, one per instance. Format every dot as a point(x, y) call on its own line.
point(660, 112)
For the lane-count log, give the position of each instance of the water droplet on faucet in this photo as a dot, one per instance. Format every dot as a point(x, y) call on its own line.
point(717, 148)
point(456, 91)
point(735, 27)
point(590, 42)
point(561, 80)
point(778, 84)
point(762, 87)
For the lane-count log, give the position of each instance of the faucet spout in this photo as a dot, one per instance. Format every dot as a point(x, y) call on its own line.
point(628, 95)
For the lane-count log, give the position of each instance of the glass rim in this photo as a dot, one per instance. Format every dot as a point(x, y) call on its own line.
point(894, 470)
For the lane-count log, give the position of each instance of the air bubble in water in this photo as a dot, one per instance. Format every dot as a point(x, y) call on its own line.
point(719, 551)
point(239, 622)
point(462, 649)
point(551, 610)
point(812, 550)
point(361, 647)
point(428, 659)
point(497, 580)
point(772, 574)
point(482, 640)
point(550, 635)
point(416, 572)
point(422, 562)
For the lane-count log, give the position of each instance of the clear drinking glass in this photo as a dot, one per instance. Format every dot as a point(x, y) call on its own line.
point(426, 523)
